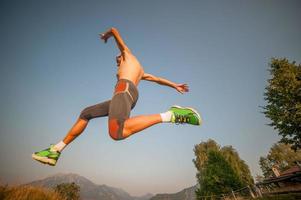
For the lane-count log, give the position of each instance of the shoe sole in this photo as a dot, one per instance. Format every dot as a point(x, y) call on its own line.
point(44, 160)
point(193, 110)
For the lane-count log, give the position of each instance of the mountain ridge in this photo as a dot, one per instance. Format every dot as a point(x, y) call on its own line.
point(88, 189)
point(185, 194)
point(92, 191)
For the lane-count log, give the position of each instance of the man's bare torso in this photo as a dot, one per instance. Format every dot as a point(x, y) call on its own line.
point(130, 68)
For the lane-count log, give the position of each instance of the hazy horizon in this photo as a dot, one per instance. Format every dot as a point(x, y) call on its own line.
point(53, 65)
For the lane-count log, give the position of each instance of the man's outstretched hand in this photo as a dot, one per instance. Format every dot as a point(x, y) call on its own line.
point(182, 88)
point(105, 36)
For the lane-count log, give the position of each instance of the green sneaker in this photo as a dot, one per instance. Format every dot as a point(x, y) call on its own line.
point(186, 115)
point(47, 156)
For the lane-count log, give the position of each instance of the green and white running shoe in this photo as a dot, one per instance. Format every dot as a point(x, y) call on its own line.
point(186, 115)
point(47, 156)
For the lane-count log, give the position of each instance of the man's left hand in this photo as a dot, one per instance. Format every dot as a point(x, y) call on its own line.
point(182, 88)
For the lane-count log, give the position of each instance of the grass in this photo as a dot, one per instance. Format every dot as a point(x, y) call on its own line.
point(28, 193)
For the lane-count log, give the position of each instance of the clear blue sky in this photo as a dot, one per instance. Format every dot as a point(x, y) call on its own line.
point(53, 65)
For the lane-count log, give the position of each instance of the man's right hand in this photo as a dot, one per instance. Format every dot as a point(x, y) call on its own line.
point(105, 36)
point(113, 32)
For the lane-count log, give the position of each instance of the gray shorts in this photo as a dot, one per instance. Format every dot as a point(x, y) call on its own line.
point(118, 108)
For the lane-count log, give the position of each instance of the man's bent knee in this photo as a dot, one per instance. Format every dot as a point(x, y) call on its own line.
point(85, 114)
point(116, 129)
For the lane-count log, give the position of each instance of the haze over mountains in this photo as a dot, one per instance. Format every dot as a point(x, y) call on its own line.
point(92, 191)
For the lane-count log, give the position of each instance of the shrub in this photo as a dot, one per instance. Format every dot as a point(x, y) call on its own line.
point(28, 193)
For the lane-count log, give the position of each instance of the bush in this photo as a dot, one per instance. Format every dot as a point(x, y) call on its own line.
point(68, 190)
point(28, 193)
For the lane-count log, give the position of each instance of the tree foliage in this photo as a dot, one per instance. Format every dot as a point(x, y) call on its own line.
point(220, 169)
point(218, 176)
point(201, 152)
point(281, 156)
point(239, 165)
point(283, 97)
point(70, 191)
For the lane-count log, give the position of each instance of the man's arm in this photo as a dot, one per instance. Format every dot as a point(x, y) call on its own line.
point(119, 41)
point(179, 87)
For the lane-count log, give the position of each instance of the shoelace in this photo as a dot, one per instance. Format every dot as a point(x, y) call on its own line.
point(180, 119)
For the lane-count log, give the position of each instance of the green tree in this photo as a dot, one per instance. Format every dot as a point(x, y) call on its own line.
point(283, 97)
point(201, 151)
point(239, 165)
point(217, 177)
point(206, 176)
point(70, 191)
point(281, 156)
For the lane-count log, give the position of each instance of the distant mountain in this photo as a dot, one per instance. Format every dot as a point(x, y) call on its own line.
point(144, 197)
point(88, 189)
point(186, 194)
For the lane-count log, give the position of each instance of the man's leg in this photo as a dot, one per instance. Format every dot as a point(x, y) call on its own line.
point(76, 130)
point(121, 126)
point(95, 111)
point(51, 155)
point(139, 123)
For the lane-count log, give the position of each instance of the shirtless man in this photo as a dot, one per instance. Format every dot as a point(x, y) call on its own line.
point(118, 109)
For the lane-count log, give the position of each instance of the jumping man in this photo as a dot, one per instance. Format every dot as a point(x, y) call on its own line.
point(118, 109)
